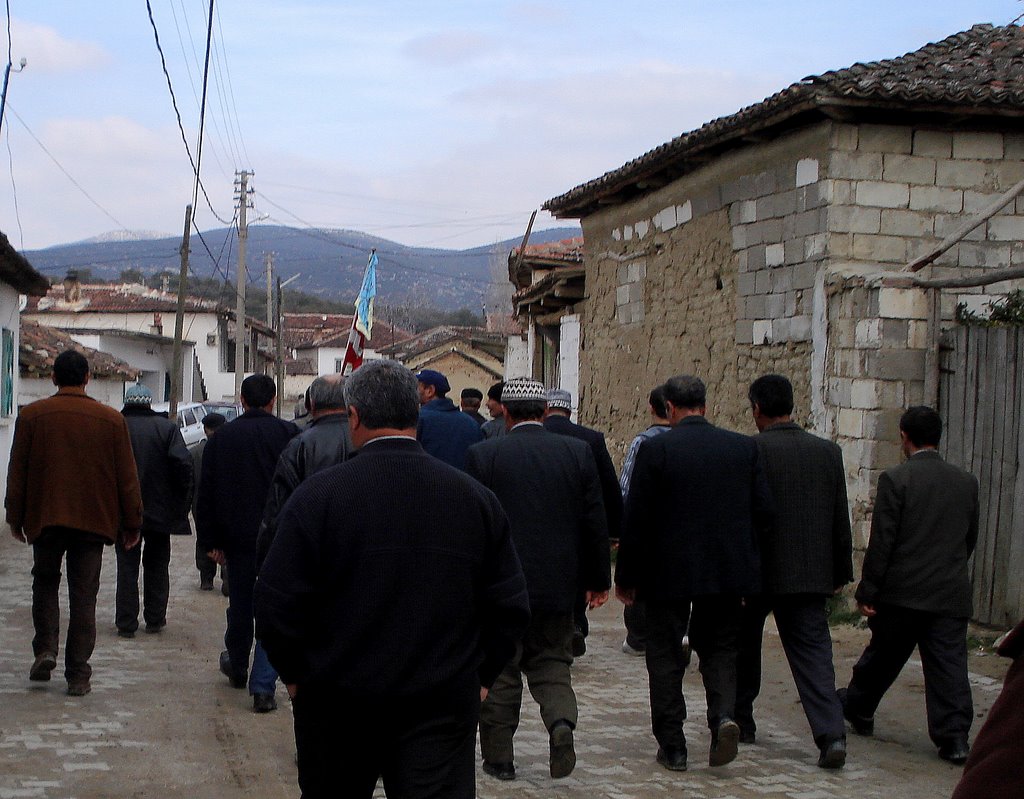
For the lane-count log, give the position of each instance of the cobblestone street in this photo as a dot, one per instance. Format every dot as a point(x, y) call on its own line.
point(162, 722)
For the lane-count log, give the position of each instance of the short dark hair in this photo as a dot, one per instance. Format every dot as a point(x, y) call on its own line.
point(657, 401)
point(70, 368)
point(214, 420)
point(494, 392)
point(525, 410)
point(384, 394)
point(472, 393)
point(773, 395)
point(258, 390)
point(686, 391)
point(923, 426)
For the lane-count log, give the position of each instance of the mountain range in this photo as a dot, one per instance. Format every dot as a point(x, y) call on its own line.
point(330, 262)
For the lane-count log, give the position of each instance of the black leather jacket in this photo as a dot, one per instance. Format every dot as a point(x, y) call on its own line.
point(165, 470)
point(324, 443)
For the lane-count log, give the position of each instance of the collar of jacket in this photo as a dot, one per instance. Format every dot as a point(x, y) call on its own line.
point(440, 404)
point(330, 418)
point(780, 426)
point(254, 413)
point(140, 410)
point(529, 426)
point(72, 391)
point(695, 418)
point(390, 444)
point(927, 453)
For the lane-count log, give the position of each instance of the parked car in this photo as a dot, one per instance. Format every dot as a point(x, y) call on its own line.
point(229, 410)
point(190, 420)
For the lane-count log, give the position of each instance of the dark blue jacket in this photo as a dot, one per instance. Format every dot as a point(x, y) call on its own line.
point(446, 432)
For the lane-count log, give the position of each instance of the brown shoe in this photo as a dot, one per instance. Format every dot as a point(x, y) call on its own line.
point(44, 663)
point(79, 688)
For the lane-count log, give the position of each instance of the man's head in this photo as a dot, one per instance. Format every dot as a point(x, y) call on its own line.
point(70, 368)
point(524, 400)
point(138, 396)
point(258, 391)
point(431, 385)
point(771, 400)
point(920, 428)
point(212, 422)
point(494, 400)
point(656, 399)
point(559, 402)
point(382, 399)
point(685, 395)
point(470, 400)
point(326, 395)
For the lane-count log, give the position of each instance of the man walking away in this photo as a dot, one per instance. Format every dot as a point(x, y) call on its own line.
point(238, 466)
point(469, 404)
point(495, 426)
point(698, 499)
point(390, 599)
point(556, 419)
point(165, 477)
point(204, 563)
point(549, 488)
point(915, 588)
point(325, 442)
point(443, 430)
point(71, 486)
point(806, 556)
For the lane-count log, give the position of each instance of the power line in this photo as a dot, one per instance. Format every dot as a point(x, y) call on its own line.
point(14, 190)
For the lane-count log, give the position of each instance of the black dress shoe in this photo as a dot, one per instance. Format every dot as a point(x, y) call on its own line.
point(955, 751)
point(563, 755)
point(748, 736)
point(263, 703)
point(833, 754)
point(862, 725)
point(44, 663)
point(153, 629)
point(500, 771)
point(205, 583)
point(236, 678)
point(724, 743)
point(672, 758)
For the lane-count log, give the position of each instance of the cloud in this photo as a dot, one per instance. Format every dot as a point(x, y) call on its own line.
point(49, 52)
point(449, 48)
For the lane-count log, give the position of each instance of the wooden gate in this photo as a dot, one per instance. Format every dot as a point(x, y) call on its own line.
point(981, 400)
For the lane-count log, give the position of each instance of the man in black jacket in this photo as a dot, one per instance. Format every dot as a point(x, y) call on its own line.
point(915, 589)
point(806, 556)
point(698, 500)
point(549, 488)
point(325, 442)
point(389, 601)
point(165, 476)
point(238, 465)
point(557, 420)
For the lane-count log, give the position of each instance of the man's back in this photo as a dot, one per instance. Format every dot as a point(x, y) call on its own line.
point(808, 547)
point(923, 531)
point(548, 486)
point(165, 470)
point(446, 433)
point(394, 586)
point(72, 466)
point(697, 496)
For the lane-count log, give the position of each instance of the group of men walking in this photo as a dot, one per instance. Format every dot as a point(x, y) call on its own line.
point(402, 568)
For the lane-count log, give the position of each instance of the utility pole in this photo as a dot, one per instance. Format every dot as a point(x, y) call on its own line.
point(179, 319)
point(280, 340)
point(243, 236)
point(268, 263)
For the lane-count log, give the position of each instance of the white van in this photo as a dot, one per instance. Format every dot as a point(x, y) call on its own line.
point(190, 420)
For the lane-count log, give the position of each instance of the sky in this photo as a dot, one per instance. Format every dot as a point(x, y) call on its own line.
point(441, 124)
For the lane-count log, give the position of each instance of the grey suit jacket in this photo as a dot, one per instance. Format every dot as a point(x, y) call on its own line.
point(549, 488)
point(923, 531)
point(808, 547)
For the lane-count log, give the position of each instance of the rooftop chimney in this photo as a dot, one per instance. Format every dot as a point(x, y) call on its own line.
point(72, 288)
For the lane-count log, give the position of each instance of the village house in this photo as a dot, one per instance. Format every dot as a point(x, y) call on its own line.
point(144, 321)
point(776, 240)
point(17, 279)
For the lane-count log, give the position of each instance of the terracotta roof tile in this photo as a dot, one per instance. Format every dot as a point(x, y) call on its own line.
point(41, 344)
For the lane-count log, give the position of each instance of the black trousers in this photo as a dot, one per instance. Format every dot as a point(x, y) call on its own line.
point(421, 749)
point(153, 553)
point(802, 620)
point(634, 617)
point(84, 554)
point(713, 627)
point(942, 642)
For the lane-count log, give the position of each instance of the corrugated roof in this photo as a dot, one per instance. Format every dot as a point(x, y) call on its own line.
point(977, 72)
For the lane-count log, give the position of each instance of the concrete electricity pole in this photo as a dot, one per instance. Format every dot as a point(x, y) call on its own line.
point(243, 235)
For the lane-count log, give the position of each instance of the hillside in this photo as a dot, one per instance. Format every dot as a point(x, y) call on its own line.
point(331, 263)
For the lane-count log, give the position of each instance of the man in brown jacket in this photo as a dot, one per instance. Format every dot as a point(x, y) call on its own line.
point(71, 488)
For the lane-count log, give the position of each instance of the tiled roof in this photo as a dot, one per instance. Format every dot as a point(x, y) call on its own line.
point(18, 272)
point(552, 255)
point(474, 337)
point(977, 72)
point(310, 330)
point(41, 344)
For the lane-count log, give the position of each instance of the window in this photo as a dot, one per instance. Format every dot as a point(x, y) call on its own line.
point(186, 418)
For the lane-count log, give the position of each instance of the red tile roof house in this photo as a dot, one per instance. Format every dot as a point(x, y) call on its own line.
point(777, 239)
point(17, 278)
point(209, 374)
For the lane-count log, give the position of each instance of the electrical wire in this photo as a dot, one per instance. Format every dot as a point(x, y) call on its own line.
point(14, 190)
